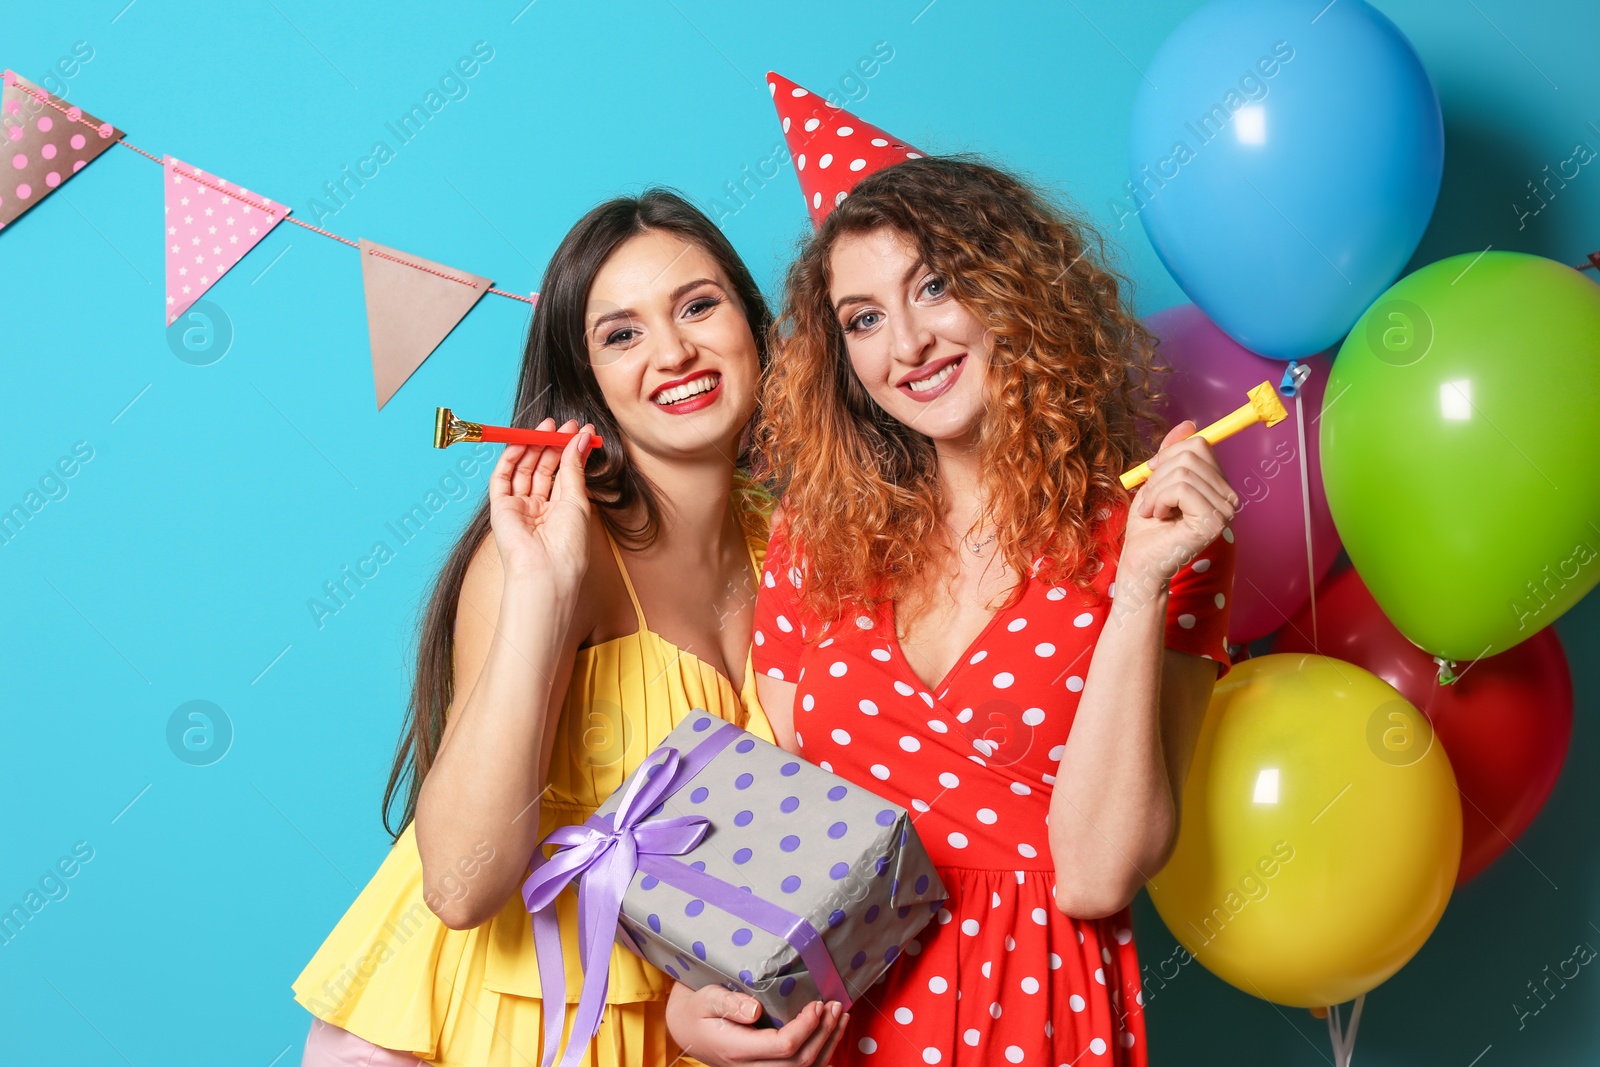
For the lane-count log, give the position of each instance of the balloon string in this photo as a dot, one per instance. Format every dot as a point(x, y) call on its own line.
point(1305, 509)
point(1342, 1038)
point(1350, 1034)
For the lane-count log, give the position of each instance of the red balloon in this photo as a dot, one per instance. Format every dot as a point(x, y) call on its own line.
point(1505, 722)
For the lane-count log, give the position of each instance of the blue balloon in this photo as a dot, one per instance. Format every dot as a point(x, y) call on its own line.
point(1285, 158)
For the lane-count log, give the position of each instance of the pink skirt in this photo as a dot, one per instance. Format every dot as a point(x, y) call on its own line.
point(329, 1046)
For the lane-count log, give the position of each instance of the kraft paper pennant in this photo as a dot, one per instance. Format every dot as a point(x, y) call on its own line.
point(40, 147)
point(211, 224)
point(412, 305)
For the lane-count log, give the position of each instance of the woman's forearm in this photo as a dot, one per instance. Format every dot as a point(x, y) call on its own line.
point(481, 795)
point(1112, 815)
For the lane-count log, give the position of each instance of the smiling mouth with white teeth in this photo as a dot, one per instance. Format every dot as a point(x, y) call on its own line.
point(679, 393)
point(941, 381)
point(928, 383)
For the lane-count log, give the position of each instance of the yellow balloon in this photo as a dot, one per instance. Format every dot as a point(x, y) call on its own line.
point(1319, 835)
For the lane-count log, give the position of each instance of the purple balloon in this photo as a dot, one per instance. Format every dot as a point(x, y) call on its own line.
point(1211, 373)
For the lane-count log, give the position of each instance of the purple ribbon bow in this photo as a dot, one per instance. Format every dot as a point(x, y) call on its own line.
point(606, 852)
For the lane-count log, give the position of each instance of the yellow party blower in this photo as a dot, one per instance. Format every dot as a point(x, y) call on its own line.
point(1263, 406)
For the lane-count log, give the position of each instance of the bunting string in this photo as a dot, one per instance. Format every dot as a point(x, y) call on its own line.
point(288, 218)
point(47, 100)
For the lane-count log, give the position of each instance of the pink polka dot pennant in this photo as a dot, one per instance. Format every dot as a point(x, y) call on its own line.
point(41, 147)
point(211, 224)
point(832, 150)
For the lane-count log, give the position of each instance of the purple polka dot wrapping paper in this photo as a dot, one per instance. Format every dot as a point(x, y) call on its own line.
point(793, 835)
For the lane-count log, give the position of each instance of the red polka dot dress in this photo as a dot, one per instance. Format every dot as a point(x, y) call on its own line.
point(1002, 976)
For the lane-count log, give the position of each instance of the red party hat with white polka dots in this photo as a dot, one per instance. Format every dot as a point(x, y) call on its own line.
point(831, 148)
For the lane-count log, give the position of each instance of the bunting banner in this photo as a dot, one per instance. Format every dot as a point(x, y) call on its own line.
point(210, 226)
point(412, 305)
point(41, 150)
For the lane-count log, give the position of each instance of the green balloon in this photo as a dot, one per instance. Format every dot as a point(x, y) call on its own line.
point(1461, 449)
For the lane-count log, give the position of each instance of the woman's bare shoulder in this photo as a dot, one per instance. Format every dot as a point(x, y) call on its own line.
point(483, 584)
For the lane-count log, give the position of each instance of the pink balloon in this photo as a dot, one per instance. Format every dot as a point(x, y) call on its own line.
point(1211, 376)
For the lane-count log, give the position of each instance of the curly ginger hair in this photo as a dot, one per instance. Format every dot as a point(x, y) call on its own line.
point(1069, 405)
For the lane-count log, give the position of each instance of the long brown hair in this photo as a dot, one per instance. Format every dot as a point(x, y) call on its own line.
point(1068, 402)
point(557, 380)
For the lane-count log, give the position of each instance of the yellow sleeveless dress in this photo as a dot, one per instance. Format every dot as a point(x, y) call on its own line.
point(391, 972)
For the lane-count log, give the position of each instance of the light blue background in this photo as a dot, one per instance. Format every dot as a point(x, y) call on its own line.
point(180, 563)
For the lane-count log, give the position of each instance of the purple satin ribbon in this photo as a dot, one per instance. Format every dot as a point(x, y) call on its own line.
point(607, 852)
point(795, 929)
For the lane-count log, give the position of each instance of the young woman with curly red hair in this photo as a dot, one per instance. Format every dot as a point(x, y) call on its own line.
point(963, 610)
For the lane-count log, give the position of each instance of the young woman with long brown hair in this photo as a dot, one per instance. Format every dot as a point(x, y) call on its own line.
point(612, 597)
point(963, 610)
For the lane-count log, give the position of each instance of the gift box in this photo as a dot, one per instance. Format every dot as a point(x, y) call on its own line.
point(723, 858)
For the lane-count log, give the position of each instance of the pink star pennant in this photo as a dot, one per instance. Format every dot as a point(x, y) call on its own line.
point(211, 224)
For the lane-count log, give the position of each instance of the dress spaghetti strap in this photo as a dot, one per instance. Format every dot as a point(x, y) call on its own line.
point(626, 580)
